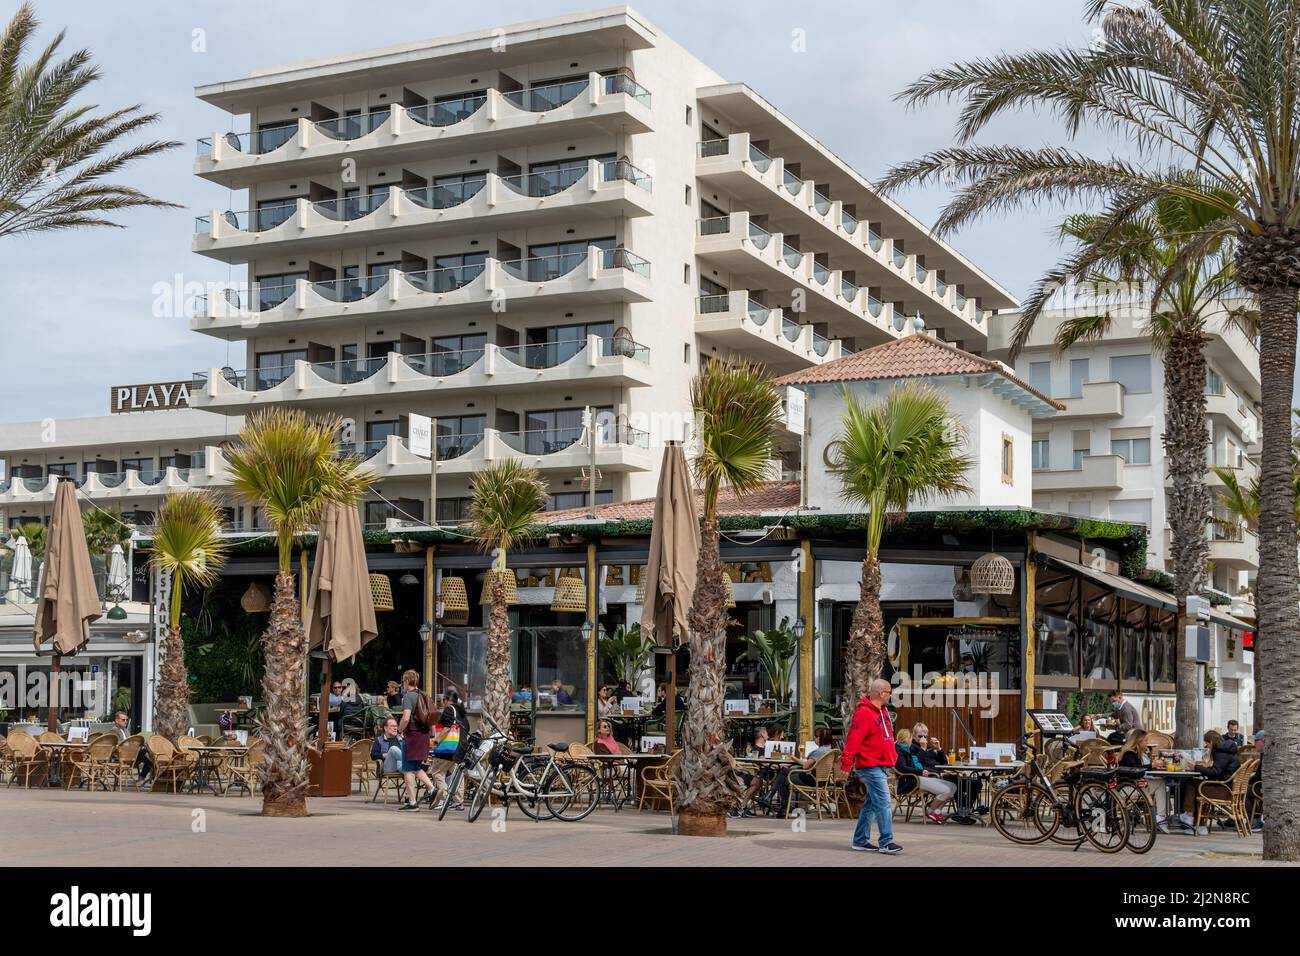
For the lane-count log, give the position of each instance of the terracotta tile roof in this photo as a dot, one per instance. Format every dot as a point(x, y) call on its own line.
point(770, 496)
point(916, 356)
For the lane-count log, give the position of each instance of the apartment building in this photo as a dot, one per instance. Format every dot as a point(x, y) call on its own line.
point(520, 230)
point(1103, 455)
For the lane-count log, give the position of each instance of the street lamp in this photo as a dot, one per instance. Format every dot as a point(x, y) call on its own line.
point(424, 633)
point(587, 631)
point(797, 627)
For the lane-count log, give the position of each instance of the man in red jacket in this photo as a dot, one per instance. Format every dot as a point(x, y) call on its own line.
point(869, 753)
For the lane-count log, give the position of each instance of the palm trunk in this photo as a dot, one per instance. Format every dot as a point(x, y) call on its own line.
point(1279, 579)
point(173, 705)
point(707, 785)
point(864, 652)
point(1189, 504)
point(496, 692)
point(284, 774)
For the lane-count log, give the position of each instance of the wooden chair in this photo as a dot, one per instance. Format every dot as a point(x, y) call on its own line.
point(25, 758)
point(243, 768)
point(659, 782)
point(1226, 799)
point(48, 737)
point(1096, 750)
point(93, 764)
point(5, 767)
point(361, 772)
point(392, 781)
point(820, 789)
point(169, 763)
point(127, 752)
point(1160, 740)
point(907, 803)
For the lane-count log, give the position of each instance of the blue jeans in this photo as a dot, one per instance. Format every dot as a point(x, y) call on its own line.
point(876, 805)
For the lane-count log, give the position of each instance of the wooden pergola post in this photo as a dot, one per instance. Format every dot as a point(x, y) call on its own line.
point(807, 641)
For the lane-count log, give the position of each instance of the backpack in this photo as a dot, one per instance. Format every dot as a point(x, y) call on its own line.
point(424, 713)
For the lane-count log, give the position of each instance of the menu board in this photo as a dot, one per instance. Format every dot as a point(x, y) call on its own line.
point(1052, 722)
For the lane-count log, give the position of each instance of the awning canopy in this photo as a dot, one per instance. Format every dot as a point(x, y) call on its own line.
point(1126, 587)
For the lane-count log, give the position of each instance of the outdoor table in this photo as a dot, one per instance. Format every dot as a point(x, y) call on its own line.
point(983, 773)
point(207, 763)
point(610, 764)
point(1175, 780)
point(61, 748)
point(768, 769)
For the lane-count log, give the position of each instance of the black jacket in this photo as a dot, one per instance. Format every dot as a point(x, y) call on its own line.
point(906, 763)
point(1225, 762)
point(928, 758)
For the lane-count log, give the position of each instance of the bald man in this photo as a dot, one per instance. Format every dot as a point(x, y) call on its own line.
point(869, 753)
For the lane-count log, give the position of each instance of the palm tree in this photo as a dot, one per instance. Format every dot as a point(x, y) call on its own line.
point(105, 530)
point(290, 465)
point(188, 551)
point(507, 498)
point(36, 536)
point(1184, 285)
point(52, 152)
point(1204, 93)
point(737, 412)
point(887, 455)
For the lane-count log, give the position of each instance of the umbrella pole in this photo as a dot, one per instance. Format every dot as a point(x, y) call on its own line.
point(52, 722)
point(323, 735)
point(670, 703)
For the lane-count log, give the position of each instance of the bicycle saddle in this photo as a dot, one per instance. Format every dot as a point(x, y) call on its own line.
point(559, 748)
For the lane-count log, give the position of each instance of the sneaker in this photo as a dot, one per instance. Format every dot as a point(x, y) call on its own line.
point(409, 806)
point(1162, 827)
point(1202, 831)
point(748, 813)
point(1186, 820)
point(458, 806)
point(890, 849)
point(865, 847)
point(437, 809)
point(735, 814)
point(935, 816)
point(1257, 827)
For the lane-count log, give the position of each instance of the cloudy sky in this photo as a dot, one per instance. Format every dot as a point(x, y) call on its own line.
point(77, 309)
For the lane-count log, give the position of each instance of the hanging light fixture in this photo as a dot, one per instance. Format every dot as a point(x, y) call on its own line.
point(408, 580)
point(512, 588)
point(256, 598)
point(992, 573)
point(115, 613)
point(381, 592)
point(731, 589)
point(455, 601)
point(570, 594)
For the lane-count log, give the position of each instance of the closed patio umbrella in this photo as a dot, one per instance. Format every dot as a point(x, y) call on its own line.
point(340, 608)
point(670, 570)
point(118, 581)
point(20, 573)
point(67, 601)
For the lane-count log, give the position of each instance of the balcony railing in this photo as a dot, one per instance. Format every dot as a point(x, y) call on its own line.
point(758, 313)
point(821, 345)
point(255, 143)
point(900, 257)
point(544, 268)
point(792, 183)
point(454, 446)
point(542, 441)
point(443, 363)
point(821, 273)
point(344, 290)
point(624, 259)
point(714, 147)
point(353, 127)
point(719, 225)
point(541, 99)
point(622, 83)
point(448, 195)
point(447, 112)
point(713, 304)
point(351, 208)
point(447, 279)
point(790, 330)
point(821, 203)
point(369, 449)
point(349, 371)
point(792, 256)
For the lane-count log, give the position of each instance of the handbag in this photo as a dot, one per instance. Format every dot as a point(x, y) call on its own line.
point(448, 745)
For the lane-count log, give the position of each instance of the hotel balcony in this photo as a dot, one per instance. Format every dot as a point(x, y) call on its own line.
point(1235, 413)
point(1098, 400)
point(596, 276)
point(492, 120)
point(1231, 547)
point(782, 345)
point(1098, 473)
point(100, 486)
point(743, 248)
point(604, 362)
point(737, 166)
point(603, 190)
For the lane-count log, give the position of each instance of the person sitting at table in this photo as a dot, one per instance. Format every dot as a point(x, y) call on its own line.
point(1087, 729)
point(524, 695)
point(336, 694)
point(913, 774)
point(561, 695)
point(799, 773)
point(393, 694)
point(1220, 763)
point(624, 689)
point(1134, 754)
point(1235, 735)
point(605, 703)
point(1254, 808)
point(605, 742)
point(387, 748)
point(760, 738)
point(929, 751)
point(120, 720)
point(661, 702)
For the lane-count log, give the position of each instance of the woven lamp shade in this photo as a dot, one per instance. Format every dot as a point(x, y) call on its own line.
point(992, 574)
point(455, 600)
point(381, 592)
point(570, 594)
point(512, 587)
point(731, 589)
point(256, 599)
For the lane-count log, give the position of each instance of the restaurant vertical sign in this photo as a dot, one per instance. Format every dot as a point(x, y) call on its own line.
point(155, 397)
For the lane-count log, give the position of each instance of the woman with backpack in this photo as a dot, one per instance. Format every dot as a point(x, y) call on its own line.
point(415, 736)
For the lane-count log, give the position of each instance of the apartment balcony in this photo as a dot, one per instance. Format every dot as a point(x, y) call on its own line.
point(1231, 547)
point(1233, 412)
point(101, 486)
point(600, 191)
point(741, 247)
point(618, 449)
point(492, 120)
point(1098, 400)
point(591, 277)
point(1098, 473)
point(782, 345)
point(737, 166)
point(609, 363)
point(1245, 473)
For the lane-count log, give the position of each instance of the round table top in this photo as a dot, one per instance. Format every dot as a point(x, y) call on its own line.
point(768, 760)
point(226, 748)
point(1014, 765)
point(632, 756)
point(63, 743)
point(1172, 773)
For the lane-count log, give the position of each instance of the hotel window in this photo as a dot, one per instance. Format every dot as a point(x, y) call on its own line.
point(454, 510)
point(1132, 511)
point(273, 212)
point(556, 344)
point(553, 430)
point(1042, 459)
point(274, 367)
point(565, 500)
point(137, 464)
point(64, 469)
point(1008, 460)
point(458, 434)
point(551, 260)
point(1040, 376)
point(455, 353)
point(1134, 451)
point(1078, 376)
point(708, 287)
point(557, 175)
point(1213, 382)
point(274, 289)
point(1082, 448)
point(1079, 507)
point(1132, 371)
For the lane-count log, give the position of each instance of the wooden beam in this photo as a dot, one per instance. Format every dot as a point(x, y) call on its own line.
point(431, 645)
point(593, 615)
point(1027, 629)
point(808, 614)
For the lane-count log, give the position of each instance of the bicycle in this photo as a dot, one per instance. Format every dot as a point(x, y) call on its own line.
point(542, 787)
point(1032, 809)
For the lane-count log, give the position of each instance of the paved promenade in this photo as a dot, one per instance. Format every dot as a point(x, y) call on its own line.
point(55, 828)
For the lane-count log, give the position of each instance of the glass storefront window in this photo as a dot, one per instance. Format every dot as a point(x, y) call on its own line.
point(541, 656)
point(560, 668)
point(1099, 637)
point(1134, 643)
point(1164, 648)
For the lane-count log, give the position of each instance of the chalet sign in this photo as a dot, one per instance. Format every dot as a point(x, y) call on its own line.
point(149, 398)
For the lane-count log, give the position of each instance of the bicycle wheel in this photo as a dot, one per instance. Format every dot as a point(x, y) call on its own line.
point(1141, 818)
point(1024, 813)
point(1102, 817)
point(528, 784)
point(1069, 833)
point(580, 792)
point(451, 790)
point(481, 792)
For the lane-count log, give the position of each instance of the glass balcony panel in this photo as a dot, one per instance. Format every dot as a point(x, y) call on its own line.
point(540, 99)
point(443, 363)
point(448, 279)
point(448, 112)
point(543, 354)
point(544, 268)
point(352, 289)
point(348, 371)
point(447, 195)
point(624, 259)
point(714, 147)
point(712, 304)
point(542, 441)
point(349, 208)
point(622, 83)
point(353, 127)
point(761, 161)
point(717, 226)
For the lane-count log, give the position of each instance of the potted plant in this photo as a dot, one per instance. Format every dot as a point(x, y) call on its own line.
point(627, 653)
point(775, 651)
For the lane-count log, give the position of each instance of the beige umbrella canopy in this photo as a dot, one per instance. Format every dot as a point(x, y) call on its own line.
point(340, 608)
point(68, 601)
point(670, 570)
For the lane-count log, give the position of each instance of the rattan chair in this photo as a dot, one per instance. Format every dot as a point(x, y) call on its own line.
point(659, 782)
point(5, 766)
point(907, 803)
point(243, 768)
point(170, 765)
point(94, 763)
point(1096, 750)
point(25, 758)
point(820, 790)
point(1160, 740)
point(361, 770)
point(1226, 799)
point(127, 752)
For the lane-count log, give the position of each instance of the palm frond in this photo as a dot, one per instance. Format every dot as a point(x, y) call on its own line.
point(737, 412)
point(187, 543)
point(506, 499)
